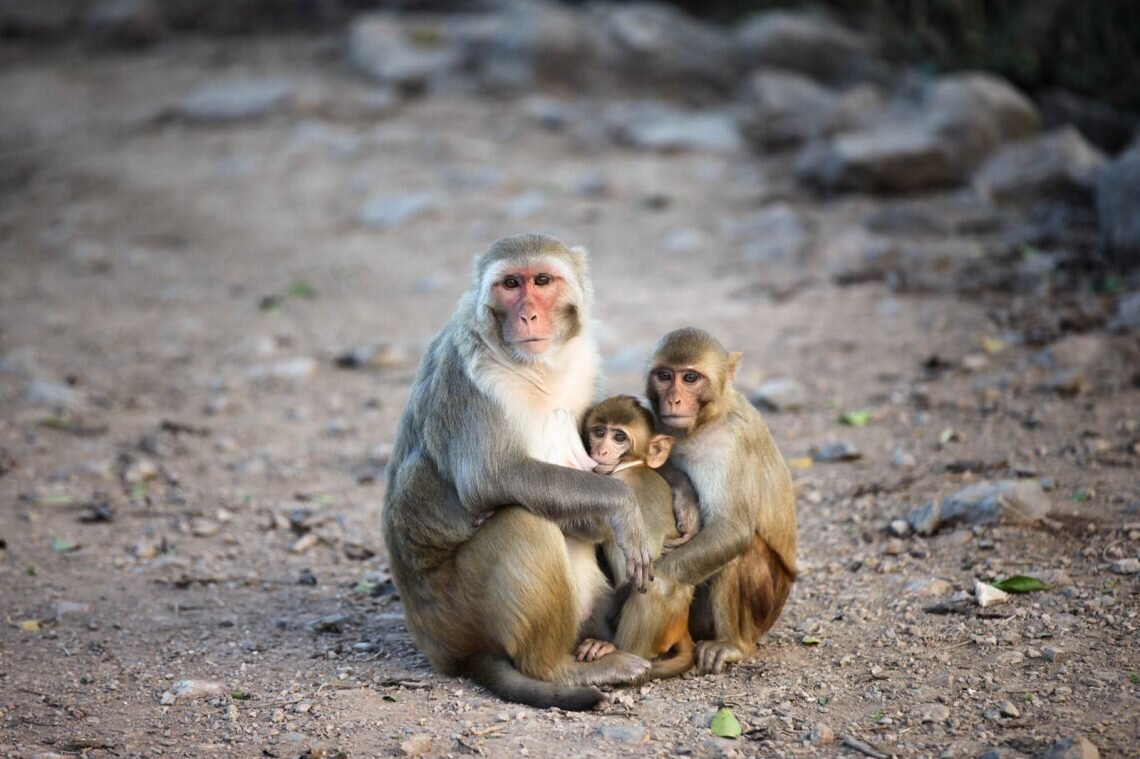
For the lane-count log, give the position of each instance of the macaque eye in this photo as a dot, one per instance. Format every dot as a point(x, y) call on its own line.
point(620, 437)
point(664, 375)
point(690, 377)
point(598, 432)
point(511, 282)
point(543, 279)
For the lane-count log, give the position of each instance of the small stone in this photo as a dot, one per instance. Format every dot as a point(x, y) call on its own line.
point(1056, 655)
point(290, 369)
point(1077, 747)
point(930, 587)
point(821, 734)
point(899, 527)
point(417, 745)
point(204, 528)
point(987, 595)
point(901, 459)
point(302, 707)
point(839, 451)
point(934, 713)
point(1008, 709)
point(1126, 566)
point(185, 690)
point(235, 100)
point(625, 733)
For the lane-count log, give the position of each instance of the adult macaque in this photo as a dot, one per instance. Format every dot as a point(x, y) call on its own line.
point(491, 418)
point(743, 560)
point(620, 437)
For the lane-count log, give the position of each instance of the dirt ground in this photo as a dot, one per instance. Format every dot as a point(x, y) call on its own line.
point(190, 485)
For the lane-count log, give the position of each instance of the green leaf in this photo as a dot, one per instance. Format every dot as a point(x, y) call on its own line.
point(63, 545)
point(1134, 678)
point(823, 700)
point(302, 289)
point(724, 724)
point(364, 587)
point(877, 716)
point(810, 640)
point(239, 695)
point(1020, 584)
point(858, 418)
point(1080, 494)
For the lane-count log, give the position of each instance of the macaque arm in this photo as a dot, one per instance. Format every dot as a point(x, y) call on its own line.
point(718, 542)
point(686, 511)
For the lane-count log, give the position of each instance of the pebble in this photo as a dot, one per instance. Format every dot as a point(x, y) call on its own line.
point(821, 734)
point(417, 745)
point(933, 713)
point(630, 734)
point(298, 368)
point(1077, 747)
point(901, 459)
point(899, 527)
point(929, 587)
point(987, 595)
point(1008, 709)
point(1126, 566)
point(185, 690)
point(837, 452)
point(235, 100)
point(1056, 655)
point(780, 395)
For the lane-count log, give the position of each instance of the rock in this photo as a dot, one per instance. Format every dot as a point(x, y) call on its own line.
point(1077, 747)
point(1009, 709)
point(937, 140)
point(987, 595)
point(821, 734)
point(413, 57)
point(233, 100)
point(780, 110)
point(933, 713)
point(809, 43)
point(1057, 163)
point(1129, 566)
point(902, 459)
point(1074, 352)
point(1007, 501)
point(1127, 316)
point(393, 210)
point(285, 370)
point(655, 126)
point(930, 587)
point(780, 395)
point(124, 23)
point(377, 356)
point(186, 690)
point(416, 745)
point(53, 395)
point(839, 451)
point(899, 528)
point(1099, 123)
point(1055, 655)
point(662, 47)
point(1117, 198)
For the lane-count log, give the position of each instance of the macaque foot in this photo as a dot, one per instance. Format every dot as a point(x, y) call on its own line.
point(592, 649)
point(616, 668)
point(714, 655)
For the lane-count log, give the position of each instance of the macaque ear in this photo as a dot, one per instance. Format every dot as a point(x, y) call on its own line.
point(730, 369)
point(659, 448)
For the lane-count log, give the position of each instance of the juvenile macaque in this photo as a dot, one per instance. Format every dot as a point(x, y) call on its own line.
point(492, 426)
point(620, 437)
point(743, 561)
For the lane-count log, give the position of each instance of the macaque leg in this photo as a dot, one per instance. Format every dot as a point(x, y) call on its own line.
point(516, 573)
point(735, 607)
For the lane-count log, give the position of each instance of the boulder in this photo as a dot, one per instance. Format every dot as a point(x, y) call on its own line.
point(934, 140)
point(784, 109)
point(1059, 163)
point(809, 43)
point(663, 47)
point(1117, 201)
point(413, 55)
point(1006, 501)
point(655, 126)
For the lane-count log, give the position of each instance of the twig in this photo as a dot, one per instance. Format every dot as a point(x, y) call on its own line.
point(851, 741)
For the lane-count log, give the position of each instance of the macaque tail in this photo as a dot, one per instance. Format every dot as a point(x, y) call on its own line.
point(499, 676)
point(677, 663)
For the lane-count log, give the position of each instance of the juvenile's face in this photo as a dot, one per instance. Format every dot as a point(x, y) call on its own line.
point(609, 444)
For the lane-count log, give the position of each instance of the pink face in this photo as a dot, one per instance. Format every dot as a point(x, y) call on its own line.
point(608, 444)
point(529, 298)
point(679, 392)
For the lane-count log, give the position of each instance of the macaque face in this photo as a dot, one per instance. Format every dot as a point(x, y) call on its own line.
point(609, 444)
point(680, 390)
point(529, 300)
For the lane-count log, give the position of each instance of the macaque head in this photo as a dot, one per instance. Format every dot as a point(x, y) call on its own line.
point(688, 375)
point(532, 294)
point(619, 430)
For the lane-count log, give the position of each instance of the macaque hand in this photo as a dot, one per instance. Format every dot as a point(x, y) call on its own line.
point(680, 540)
point(591, 649)
point(629, 533)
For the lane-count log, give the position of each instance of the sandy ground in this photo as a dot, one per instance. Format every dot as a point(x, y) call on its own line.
point(190, 488)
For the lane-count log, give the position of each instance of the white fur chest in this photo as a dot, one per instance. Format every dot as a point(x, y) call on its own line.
point(705, 459)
